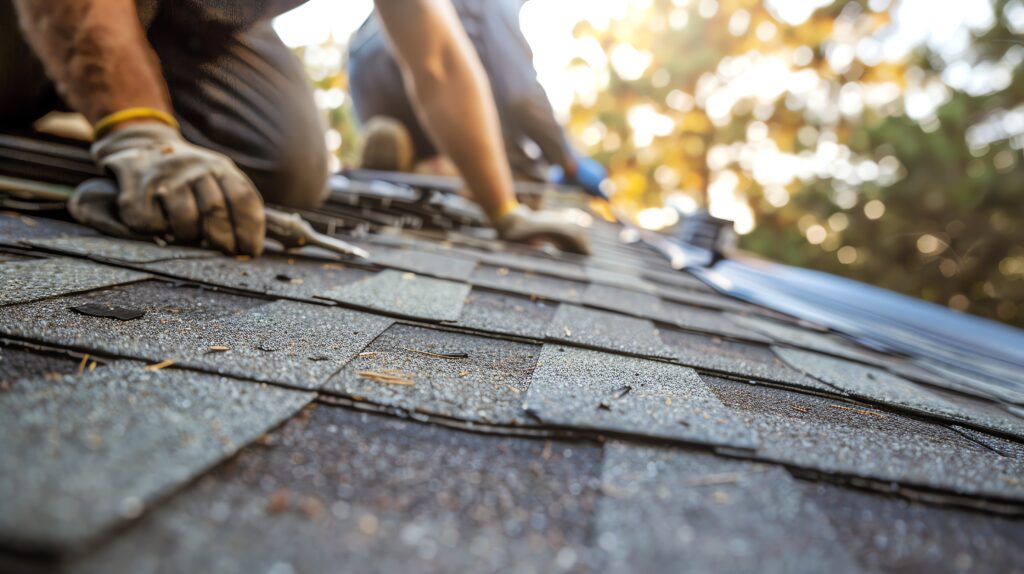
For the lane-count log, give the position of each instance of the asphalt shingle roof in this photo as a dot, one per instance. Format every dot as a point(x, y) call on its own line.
point(456, 403)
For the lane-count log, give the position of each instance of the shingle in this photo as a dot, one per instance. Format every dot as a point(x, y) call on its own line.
point(118, 249)
point(804, 338)
point(677, 279)
point(426, 263)
point(594, 390)
point(625, 301)
point(892, 535)
point(508, 314)
point(606, 330)
point(699, 319)
point(882, 387)
point(835, 437)
point(172, 313)
point(405, 294)
point(15, 227)
point(957, 379)
point(483, 380)
point(284, 342)
point(82, 455)
point(669, 507)
point(710, 300)
point(618, 279)
point(364, 493)
point(24, 281)
point(737, 359)
point(271, 274)
point(530, 284)
point(535, 264)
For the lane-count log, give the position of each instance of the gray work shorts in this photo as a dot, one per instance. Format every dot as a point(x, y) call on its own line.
point(236, 90)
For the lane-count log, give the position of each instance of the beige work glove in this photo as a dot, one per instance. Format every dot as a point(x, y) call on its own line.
point(171, 187)
point(523, 225)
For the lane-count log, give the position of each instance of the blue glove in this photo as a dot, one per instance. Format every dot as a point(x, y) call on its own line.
point(589, 175)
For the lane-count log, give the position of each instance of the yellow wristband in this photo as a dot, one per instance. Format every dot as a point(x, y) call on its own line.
point(106, 122)
point(505, 208)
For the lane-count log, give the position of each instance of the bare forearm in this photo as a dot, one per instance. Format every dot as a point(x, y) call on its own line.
point(452, 94)
point(96, 53)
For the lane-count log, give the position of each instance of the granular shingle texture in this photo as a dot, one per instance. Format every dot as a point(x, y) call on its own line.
point(23, 281)
point(830, 436)
point(405, 294)
point(737, 359)
point(672, 507)
point(450, 374)
point(803, 338)
point(508, 314)
point(363, 493)
point(528, 283)
point(84, 453)
point(882, 387)
point(595, 390)
point(433, 264)
point(606, 330)
point(623, 300)
point(118, 249)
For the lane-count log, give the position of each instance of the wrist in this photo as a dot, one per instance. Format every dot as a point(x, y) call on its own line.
point(133, 116)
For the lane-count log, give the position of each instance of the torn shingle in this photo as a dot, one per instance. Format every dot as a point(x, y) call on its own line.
point(508, 314)
point(24, 281)
point(831, 436)
point(599, 391)
point(73, 465)
point(527, 283)
point(366, 493)
point(737, 360)
point(606, 330)
point(426, 263)
point(405, 294)
point(882, 387)
point(666, 507)
point(455, 375)
point(118, 249)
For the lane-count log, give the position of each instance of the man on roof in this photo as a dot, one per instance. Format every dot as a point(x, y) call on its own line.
point(534, 140)
point(202, 113)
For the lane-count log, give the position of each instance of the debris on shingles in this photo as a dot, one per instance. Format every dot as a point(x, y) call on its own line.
point(438, 355)
point(161, 365)
point(289, 279)
point(569, 386)
point(109, 311)
point(218, 348)
point(392, 377)
point(181, 424)
point(25, 281)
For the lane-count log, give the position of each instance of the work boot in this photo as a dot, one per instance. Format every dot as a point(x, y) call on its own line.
point(388, 145)
point(523, 225)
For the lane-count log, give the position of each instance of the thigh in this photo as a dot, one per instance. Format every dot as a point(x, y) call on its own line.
point(26, 94)
point(245, 94)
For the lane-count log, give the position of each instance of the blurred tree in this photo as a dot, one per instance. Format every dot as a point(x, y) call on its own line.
point(793, 119)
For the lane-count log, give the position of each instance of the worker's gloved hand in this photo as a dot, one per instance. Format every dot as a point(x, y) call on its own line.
point(589, 175)
point(169, 186)
point(524, 225)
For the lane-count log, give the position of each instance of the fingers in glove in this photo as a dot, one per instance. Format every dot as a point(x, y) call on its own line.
point(179, 207)
point(246, 207)
point(218, 226)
